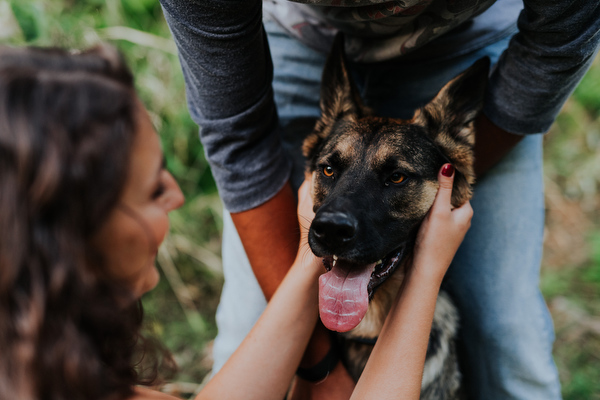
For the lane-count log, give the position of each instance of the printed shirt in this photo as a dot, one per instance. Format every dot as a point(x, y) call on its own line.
point(378, 30)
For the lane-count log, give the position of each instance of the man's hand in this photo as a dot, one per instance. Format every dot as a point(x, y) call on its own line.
point(491, 144)
point(337, 386)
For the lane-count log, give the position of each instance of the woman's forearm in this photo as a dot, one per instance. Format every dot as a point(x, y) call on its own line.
point(395, 368)
point(266, 361)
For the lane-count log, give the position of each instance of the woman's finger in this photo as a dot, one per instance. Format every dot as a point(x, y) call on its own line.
point(463, 214)
point(445, 179)
point(305, 206)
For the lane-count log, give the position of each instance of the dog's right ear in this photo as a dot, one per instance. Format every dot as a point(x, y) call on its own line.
point(339, 98)
point(449, 120)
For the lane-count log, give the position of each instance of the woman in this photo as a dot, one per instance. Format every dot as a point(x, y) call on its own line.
point(84, 198)
point(75, 144)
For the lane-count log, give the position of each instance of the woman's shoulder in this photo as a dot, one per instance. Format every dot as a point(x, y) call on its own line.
point(141, 393)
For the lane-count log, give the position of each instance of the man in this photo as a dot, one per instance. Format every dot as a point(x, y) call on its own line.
point(250, 96)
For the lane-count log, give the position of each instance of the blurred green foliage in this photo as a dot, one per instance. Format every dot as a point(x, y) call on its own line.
point(571, 275)
point(180, 311)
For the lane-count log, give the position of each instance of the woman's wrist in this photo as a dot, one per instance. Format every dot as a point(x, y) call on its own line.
point(426, 272)
point(309, 263)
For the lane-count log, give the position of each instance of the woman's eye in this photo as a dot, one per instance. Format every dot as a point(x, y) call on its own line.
point(328, 171)
point(160, 190)
point(397, 178)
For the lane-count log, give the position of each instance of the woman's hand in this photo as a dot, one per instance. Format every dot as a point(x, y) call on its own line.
point(305, 208)
point(306, 214)
point(442, 231)
point(395, 368)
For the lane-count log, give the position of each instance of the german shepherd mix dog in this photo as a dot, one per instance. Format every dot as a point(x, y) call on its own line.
point(374, 180)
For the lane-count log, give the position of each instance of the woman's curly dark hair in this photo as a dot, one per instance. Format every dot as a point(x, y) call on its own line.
point(67, 123)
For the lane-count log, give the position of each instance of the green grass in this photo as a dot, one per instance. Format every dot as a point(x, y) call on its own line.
point(571, 274)
point(180, 311)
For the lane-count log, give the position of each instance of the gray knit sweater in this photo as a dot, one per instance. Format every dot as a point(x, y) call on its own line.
point(228, 70)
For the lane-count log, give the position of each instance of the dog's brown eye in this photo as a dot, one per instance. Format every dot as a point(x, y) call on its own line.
point(397, 178)
point(328, 171)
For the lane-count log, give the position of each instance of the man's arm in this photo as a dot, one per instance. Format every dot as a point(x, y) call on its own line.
point(491, 144)
point(270, 236)
point(555, 46)
point(546, 59)
point(228, 71)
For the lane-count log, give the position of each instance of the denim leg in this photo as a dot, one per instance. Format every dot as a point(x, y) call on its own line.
point(506, 329)
point(297, 87)
point(506, 332)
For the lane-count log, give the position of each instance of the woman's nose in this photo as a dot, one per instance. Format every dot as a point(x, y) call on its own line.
point(175, 198)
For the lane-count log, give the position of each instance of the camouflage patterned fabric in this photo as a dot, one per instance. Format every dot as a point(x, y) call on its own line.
point(376, 30)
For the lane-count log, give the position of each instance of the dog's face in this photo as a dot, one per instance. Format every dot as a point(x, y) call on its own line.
point(374, 180)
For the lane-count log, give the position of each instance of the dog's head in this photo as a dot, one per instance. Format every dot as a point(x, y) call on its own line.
point(374, 179)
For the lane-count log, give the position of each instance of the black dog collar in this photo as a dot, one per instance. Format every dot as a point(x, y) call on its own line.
point(322, 369)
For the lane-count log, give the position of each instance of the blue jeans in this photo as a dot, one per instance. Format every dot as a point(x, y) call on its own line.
point(506, 332)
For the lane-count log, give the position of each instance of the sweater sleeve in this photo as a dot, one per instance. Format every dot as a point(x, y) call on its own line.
point(228, 72)
point(546, 59)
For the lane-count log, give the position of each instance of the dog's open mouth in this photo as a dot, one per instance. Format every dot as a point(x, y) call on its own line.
point(347, 287)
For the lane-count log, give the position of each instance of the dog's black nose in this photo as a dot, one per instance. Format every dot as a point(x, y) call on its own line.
point(334, 229)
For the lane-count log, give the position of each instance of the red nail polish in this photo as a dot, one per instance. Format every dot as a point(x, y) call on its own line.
point(448, 170)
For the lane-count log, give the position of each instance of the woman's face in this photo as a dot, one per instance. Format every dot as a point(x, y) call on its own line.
point(130, 237)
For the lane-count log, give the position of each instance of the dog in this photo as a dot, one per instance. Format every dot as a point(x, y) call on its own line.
point(374, 180)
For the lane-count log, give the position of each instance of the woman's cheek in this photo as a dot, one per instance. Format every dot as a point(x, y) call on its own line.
point(160, 228)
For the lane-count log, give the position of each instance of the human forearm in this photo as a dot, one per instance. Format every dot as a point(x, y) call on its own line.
point(228, 71)
point(491, 144)
point(227, 67)
point(264, 364)
point(545, 61)
point(395, 367)
point(270, 235)
point(543, 64)
point(274, 226)
point(261, 229)
point(404, 336)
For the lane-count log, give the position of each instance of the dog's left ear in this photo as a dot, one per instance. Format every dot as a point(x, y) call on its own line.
point(449, 120)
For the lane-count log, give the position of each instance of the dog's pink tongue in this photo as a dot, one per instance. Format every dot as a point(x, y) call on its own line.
point(343, 296)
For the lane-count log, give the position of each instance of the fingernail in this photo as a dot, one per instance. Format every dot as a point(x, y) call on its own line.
point(448, 170)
